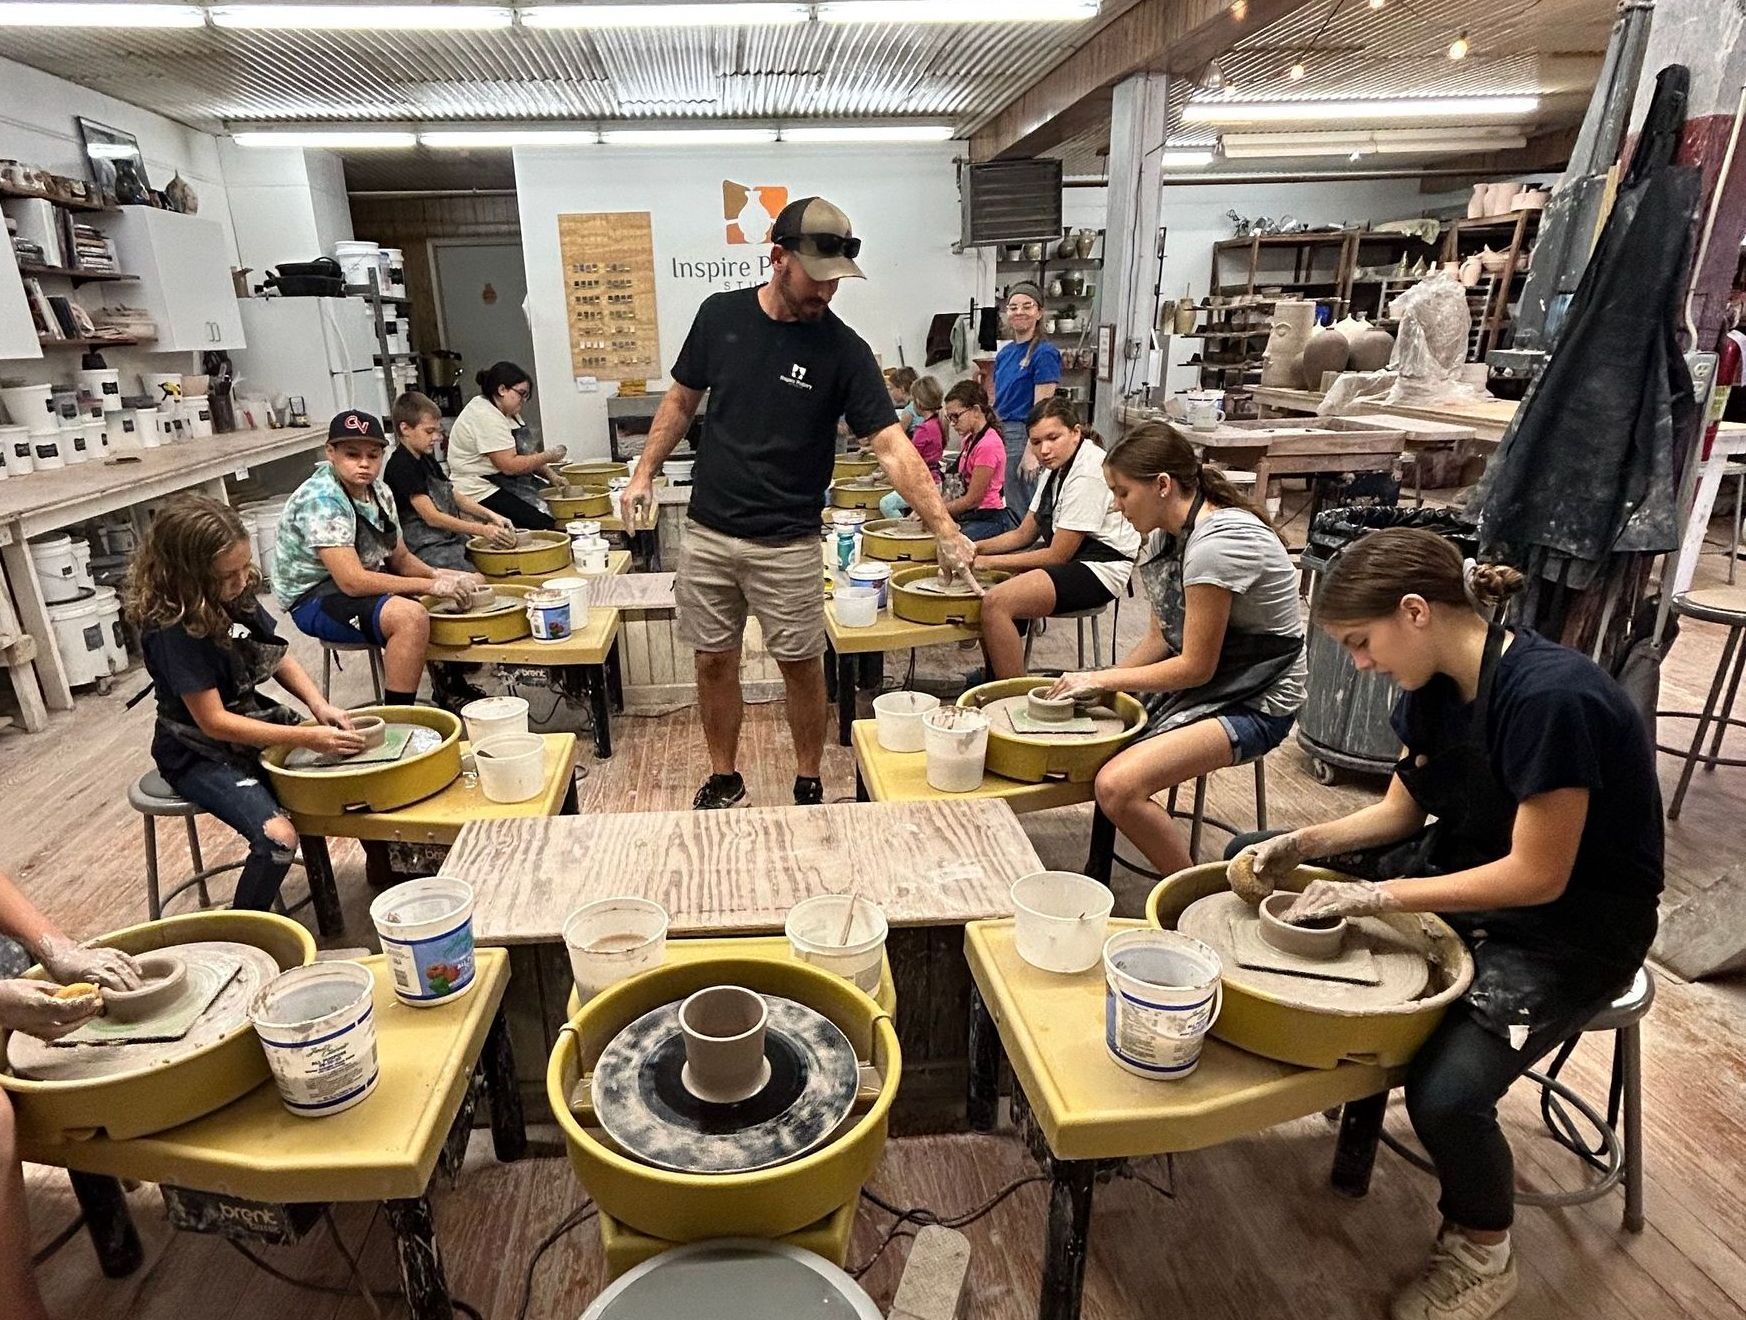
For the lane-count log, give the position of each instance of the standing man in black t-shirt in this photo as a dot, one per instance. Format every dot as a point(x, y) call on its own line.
point(780, 369)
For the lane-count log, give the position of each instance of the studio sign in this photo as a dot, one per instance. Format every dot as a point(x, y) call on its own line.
point(724, 272)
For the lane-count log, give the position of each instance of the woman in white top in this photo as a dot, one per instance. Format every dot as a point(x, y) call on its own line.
point(1072, 552)
point(492, 454)
point(1221, 669)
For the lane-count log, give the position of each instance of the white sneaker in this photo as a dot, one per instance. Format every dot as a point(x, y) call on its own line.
point(1455, 1286)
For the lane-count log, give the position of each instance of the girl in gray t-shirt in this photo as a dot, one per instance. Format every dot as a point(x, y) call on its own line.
point(1221, 669)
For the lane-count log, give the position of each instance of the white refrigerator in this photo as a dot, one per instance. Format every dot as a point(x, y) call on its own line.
point(319, 348)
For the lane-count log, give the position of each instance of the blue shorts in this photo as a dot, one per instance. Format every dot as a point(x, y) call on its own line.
point(353, 620)
point(1253, 734)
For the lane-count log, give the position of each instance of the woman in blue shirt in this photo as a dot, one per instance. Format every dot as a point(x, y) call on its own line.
point(1026, 372)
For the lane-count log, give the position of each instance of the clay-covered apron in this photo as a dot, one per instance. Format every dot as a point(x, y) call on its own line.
point(1249, 663)
point(1091, 550)
point(525, 486)
point(434, 545)
point(253, 660)
point(1524, 976)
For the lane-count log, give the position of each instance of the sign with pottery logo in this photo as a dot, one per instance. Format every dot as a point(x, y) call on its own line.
point(750, 210)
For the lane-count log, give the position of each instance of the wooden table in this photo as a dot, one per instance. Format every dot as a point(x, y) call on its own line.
point(586, 661)
point(931, 867)
point(618, 562)
point(1489, 418)
point(844, 678)
point(254, 1151)
point(48, 501)
point(1090, 1112)
point(428, 827)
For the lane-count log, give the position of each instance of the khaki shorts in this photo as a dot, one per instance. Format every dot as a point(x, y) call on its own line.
point(721, 576)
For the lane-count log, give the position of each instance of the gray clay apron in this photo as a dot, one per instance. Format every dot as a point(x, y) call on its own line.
point(434, 545)
point(254, 658)
point(526, 486)
point(1249, 663)
point(373, 544)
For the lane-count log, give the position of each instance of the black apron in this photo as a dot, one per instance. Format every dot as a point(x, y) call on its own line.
point(1091, 550)
point(253, 660)
point(1249, 663)
point(1524, 975)
point(437, 546)
point(373, 544)
point(527, 486)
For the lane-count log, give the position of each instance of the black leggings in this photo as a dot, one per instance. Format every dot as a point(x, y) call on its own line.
point(518, 511)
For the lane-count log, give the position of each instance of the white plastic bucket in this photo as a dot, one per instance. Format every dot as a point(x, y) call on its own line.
point(395, 262)
point(512, 766)
point(678, 470)
point(197, 412)
point(358, 261)
point(47, 449)
point(267, 537)
point(548, 615)
point(582, 529)
point(317, 1025)
point(577, 590)
point(897, 719)
point(163, 430)
point(816, 933)
point(103, 385)
point(78, 633)
point(489, 716)
point(614, 938)
point(857, 607)
point(82, 564)
point(56, 568)
point(31, 406)
point(1060, 919)
point(76, 442)
point(956, 741)
point(426, 929)
point(108, 603)
point(122, 431)
point(161, 386)
point(871, 573)
point(1162, 993)
point(16, 441)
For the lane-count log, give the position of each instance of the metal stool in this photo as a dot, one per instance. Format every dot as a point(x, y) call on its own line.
point(152, 796)
point(1726, 606)
point(1079, 617)
point(1619, 1155)
point(329, 663)
point(1103, 832)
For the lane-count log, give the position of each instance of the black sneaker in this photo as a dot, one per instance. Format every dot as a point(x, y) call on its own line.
point(720, 792)
point(808, 792)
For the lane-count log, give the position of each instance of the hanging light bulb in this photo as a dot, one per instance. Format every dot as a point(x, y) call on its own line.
point(1239, 9)
point(1212, 78)
point(1378, 4)
point(1458, 48)
point(1296, 71)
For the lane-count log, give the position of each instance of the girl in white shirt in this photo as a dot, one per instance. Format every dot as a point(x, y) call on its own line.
point(1072, 552)
point(492, 455)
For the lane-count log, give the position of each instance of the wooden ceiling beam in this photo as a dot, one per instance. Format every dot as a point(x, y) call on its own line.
point(1153, 36)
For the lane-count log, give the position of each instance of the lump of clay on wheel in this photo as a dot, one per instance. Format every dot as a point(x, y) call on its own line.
point(1245, 883)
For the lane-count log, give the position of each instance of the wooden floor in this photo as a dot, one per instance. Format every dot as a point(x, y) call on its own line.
point(1254, 1229)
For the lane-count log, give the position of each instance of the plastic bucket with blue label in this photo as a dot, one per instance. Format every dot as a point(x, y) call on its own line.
point(426, 929)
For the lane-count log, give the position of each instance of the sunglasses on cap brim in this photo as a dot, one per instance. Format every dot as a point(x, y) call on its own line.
point(822, 245)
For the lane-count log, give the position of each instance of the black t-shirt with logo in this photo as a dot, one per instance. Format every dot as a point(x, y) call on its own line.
point(776, 390)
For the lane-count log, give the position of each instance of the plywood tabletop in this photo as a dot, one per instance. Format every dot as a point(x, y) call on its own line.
point(634, 591)
point(722, 872)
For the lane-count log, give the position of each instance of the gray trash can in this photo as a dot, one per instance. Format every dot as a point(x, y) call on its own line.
point(1344, 721)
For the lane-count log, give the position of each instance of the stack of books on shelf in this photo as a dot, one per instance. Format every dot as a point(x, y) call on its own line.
point(92, 251)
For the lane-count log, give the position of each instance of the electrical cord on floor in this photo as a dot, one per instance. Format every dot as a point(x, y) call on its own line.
point(575, 1219)
point(1167, 1189)
point(922, 1217)
point(58, 1241)
point(372, 1297)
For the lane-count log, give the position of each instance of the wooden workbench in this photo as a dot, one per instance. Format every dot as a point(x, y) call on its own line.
point(1489, 418)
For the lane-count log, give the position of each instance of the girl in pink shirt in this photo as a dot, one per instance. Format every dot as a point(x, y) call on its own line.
point(981, 510)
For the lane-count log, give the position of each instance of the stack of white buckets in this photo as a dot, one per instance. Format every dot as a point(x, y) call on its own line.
point(261, 519)
point(86, 618)
point(51, 428)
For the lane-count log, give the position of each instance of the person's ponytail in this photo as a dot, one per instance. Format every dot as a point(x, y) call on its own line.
point(1369, 577)
point(1152, 449)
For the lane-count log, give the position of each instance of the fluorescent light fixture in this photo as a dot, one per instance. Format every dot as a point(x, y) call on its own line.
point(686, 137)
point(956, 11)
point(1382, 142)
point(661, 15)
point(1186, 160)
point(1426, 107)
point(102, 16)
point(871, 133)
point(510, 137)
point(335, 137)
point(363, 18)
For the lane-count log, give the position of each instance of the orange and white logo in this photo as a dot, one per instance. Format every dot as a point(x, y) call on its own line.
point(750, 209)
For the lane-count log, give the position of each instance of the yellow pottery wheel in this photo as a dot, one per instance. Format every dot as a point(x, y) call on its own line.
point(136, 1104)
point(1032, 759)
point(476, 629)
point(844, 496)
point(1277, 1028)
point(545, 552)
point(878, 543)
point(382, 786)
point(768, 1203)
point(928, 607)
point(578, 501)
point(845, 468)
point(593, 474)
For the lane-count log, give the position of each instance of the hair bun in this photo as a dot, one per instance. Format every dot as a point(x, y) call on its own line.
point(1492, 584)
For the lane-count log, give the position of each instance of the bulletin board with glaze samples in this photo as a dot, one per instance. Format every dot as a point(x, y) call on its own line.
point(609, 294)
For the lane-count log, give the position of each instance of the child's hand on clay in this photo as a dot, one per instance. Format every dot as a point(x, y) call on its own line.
point(35, 1008)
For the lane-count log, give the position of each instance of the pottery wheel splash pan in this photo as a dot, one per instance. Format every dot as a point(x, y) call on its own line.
point(644, 1106)
point(1317, 1024)
point(846, 468)
point(858, 493)
point(1032, 758)
point(504, 620)
point(769, 1202)
point(150, 1087)
point(428, 765)
point(593, 474)
point(918, 594)
point(898, 541)
point(578, 501)
point(536, 553)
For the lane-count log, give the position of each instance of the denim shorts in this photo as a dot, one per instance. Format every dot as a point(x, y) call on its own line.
point(1253, 734)
point(350, 620)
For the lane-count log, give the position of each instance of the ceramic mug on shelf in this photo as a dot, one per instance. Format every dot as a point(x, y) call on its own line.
point(1204, 409)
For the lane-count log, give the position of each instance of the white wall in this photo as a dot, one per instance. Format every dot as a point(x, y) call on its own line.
point(903, 202)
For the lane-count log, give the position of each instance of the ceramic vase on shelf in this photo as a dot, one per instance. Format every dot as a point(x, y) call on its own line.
point(1066, 247)
point(1476, 204)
